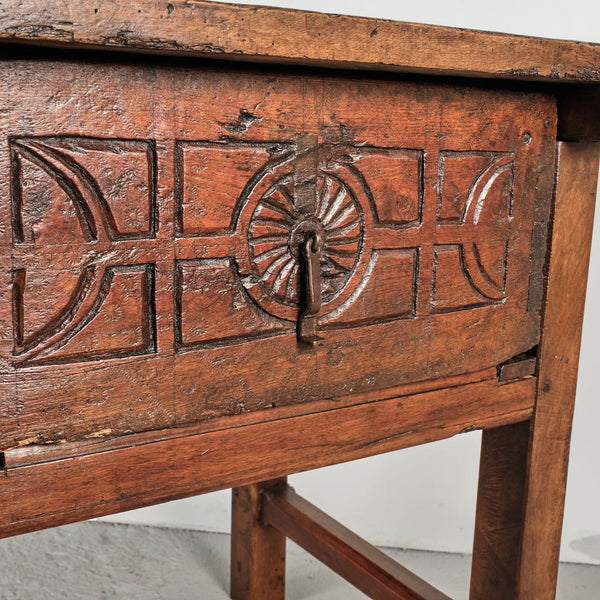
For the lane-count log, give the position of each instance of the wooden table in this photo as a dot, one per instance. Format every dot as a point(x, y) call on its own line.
point(238, 243)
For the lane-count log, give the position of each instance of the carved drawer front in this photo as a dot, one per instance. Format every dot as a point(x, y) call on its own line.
point(152, 230)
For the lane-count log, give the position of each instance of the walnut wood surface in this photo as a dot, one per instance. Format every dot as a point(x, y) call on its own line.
point(366, 567)
point(31, 454)
point(523, 469)
point(499, 517)
point(147, 473)
point(149, 254)
point(577, 178)
point(209, 29)
point(151, 218)
point(524, 366)
point(257, 549)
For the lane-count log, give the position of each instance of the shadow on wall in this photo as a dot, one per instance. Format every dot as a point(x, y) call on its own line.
point(590, 546)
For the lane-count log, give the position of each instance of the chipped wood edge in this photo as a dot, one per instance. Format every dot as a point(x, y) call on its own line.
point(275, 35)
point(117, 480)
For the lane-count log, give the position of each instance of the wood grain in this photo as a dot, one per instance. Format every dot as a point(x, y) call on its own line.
point(30, 454)
point(257, 549)
point(150, 257)
point(122, 479)
point(499, 516)
point(364, 566)
point(559, 355)
point(521, 366)
point(261, 34)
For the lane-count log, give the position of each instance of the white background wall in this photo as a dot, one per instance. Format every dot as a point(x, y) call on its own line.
point(424, 497)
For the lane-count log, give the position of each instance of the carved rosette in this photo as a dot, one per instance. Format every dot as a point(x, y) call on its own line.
point(275, 223)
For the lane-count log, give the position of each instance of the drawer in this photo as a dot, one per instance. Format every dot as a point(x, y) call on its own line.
point(154, 220)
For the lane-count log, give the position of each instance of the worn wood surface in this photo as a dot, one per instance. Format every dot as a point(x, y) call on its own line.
point(152, 224)
point(30, 454)
point(499, 516)
point(150, 253)
point(559, 356)
point(364, 566)
point(257, 549)
point(147, 473)
point(519, 367)
point(265, 34)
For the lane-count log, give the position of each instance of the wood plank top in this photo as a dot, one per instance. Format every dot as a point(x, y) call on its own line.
point(262, 34)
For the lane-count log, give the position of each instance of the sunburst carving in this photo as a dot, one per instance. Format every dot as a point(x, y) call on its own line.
point(277, 229)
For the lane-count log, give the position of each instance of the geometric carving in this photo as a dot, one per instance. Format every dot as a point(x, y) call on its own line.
point(71, 189)
point(275, 214)
point(129, 301)
point(461, 281)
point(474, 189)
point(204, 288)
point(486, 266)
point(273, 226)
point(83, 302)
point(208, 175)
point(472, 184)
point(394, 179)
point(389, 291)
point(107, 313)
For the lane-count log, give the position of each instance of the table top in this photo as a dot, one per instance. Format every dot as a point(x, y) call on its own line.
point(263, 34)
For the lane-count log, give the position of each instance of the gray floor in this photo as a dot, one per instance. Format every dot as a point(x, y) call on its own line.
point(89, 561)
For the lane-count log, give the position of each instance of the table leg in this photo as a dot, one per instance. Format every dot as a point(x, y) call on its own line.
point(499, 519)
point(515, 559)
point(257, 550)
